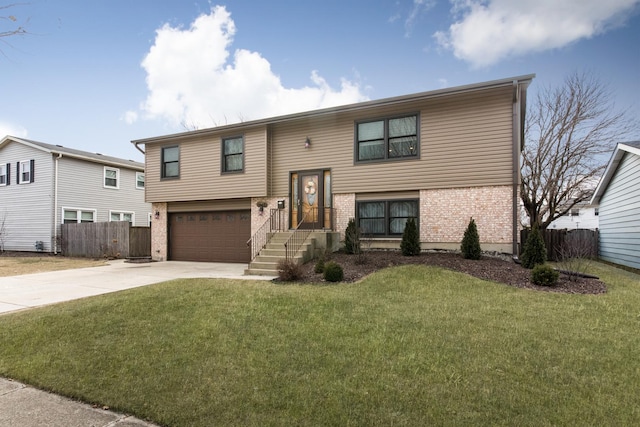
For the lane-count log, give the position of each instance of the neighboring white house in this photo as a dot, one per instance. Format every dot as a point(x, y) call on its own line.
point(583, 215)
point(618, 196)
point(44, 185)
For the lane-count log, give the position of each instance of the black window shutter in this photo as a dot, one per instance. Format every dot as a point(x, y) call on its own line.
point(33, 163)
point(8, 173)
point(18, 173)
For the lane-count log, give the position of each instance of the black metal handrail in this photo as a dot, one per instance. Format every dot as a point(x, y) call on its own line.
point(300, 235)
point(260, 238)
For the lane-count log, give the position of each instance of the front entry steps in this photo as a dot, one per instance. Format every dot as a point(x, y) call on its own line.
point(266, 263)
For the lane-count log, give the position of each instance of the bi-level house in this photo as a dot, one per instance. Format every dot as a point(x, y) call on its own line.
point(44, 185)
point(441, 157)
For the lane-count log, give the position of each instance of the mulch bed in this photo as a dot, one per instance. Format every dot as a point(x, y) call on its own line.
point(488, 268)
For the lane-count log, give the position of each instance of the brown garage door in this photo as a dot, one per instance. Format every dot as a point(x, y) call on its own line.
point(210, 236)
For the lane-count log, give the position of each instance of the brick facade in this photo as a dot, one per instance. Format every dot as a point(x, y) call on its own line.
point(345, 208)
point(259, 218)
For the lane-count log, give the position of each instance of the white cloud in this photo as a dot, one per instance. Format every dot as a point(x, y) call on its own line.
point(130, 117)
point(419, 7)
point(487, 31)
point(12, 129)
point(193, 79)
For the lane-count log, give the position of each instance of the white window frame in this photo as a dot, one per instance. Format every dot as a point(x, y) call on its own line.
point(79, 212)
point(25, 167)
point(3, 173)
point(104, 177)
point(138, 175)
point(121, 214)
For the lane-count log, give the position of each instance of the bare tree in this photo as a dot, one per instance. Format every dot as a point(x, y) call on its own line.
point(569, 130)
point(15, 28)
point(3, 230)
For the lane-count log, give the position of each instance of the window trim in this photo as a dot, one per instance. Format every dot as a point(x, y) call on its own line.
point(385, 120)
point(387, 217)
point(163, 164)
point(79, 214)
point(121, 213)
point(6, 174)
point(117, 178)
point(19, 179)
point(223, 157)
point(137, 175)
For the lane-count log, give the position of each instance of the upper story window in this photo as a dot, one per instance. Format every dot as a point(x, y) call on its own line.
point(25, 171)
point(575, 212)
point(233, 154)
point(73, 216)
point(170, 162)
point(140, 180)
point(5, 179)
point(111, 177)
point(387, 139)
point(596, 211)
point(385, 217)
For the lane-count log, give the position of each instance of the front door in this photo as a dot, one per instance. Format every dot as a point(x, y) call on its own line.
point(307, 199)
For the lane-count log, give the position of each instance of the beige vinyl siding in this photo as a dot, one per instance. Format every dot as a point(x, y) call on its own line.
point(200, 169)
point(209, 205)
point(465, 141)
point(27, 209)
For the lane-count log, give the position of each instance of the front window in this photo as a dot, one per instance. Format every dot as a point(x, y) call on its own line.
point(387, 139)
point(140, 180)
point(385, 218)
point(171, 162)
point(25, 172)
point(575, 212)
point(74, 216)
point(121, 216)
point(111, 177)
point(4, 174)
point(233, 154)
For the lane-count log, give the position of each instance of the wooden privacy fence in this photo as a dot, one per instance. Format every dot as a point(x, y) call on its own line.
point(561, 244)
point(105, 240)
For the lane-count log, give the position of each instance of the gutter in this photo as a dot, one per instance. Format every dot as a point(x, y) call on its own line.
point(55, 206)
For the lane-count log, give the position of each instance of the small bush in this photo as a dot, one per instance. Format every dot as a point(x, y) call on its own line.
point(289, 270)
point(410, 245)
point(333, 272)
point(470, 246)
point(534, 251)
point(319, 267)
point(352, 238)
point(544, 275)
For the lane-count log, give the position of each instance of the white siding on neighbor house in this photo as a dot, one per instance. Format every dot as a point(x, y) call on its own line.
point(27, 209)
point(586, 219)
point(620, 215)
point(81, 186)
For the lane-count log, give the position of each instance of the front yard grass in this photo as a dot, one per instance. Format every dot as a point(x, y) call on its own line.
point(18, 265)
point(407, 346)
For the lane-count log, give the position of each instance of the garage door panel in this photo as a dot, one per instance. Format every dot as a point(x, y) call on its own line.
point(210, 236)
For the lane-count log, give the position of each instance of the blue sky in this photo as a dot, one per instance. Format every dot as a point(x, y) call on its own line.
point(94, 75)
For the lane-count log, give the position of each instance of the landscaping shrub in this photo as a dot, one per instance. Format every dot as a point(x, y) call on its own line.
point(470, 246)
point(319, 267)
point(534, 251)
point(410, 245)
point(289, 270)
point(333, 272)
point(352, 238)
point(544, 275)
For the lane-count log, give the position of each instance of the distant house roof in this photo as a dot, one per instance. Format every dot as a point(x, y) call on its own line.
point(77, 154)
point(622, 148)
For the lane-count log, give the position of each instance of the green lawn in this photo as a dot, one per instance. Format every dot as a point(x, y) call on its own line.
point(408, 346)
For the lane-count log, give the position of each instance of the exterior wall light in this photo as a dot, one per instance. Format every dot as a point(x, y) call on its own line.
point(307, 143)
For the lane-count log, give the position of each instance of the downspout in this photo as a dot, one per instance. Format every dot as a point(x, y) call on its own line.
point(55, 206)
point(515, 162)
point(135, 144)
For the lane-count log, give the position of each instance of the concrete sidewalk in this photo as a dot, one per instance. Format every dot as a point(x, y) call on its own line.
point(35, 290)
point(25, 406)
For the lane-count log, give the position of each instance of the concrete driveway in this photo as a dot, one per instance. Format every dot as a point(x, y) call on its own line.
point(35, 290)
